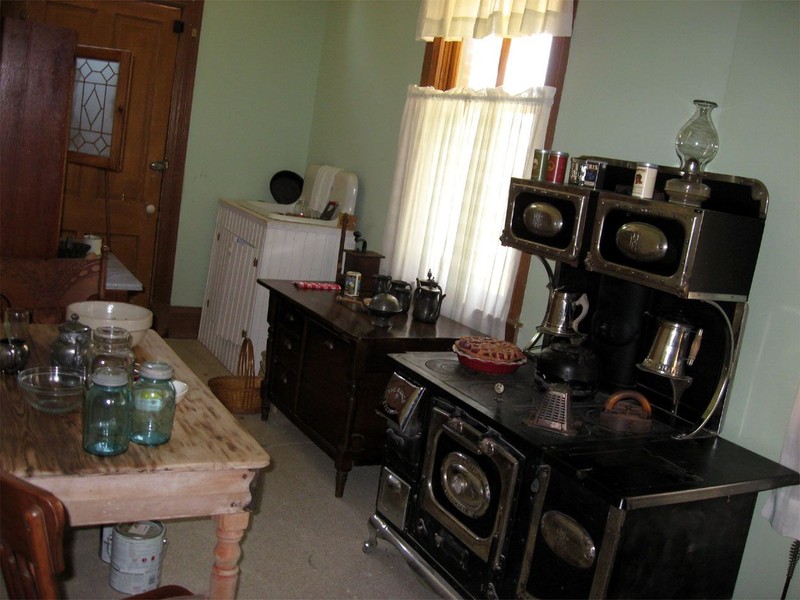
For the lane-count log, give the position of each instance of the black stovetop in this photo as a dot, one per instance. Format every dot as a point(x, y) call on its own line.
point(632, 470)
point(511, 400)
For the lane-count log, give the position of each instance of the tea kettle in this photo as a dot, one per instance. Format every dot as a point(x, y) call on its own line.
point(428, 299)
point(70, 347)
point(565, 311)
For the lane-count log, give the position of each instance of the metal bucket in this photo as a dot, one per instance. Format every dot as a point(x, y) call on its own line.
point(136, 553)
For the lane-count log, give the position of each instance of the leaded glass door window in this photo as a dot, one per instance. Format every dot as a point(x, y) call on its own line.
point(100, 96)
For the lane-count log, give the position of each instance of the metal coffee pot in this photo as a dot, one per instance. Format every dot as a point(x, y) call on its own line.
point(402, 291)
point(676, 344)
point(428, 299)
point(565, 311)
point(382, 285)
point(70, 347)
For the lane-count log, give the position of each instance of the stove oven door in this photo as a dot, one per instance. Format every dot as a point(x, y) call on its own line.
point(469, 480)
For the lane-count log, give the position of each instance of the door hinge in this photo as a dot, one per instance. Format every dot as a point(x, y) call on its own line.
point(178, 26)
point(218, 236)
point(255, 262)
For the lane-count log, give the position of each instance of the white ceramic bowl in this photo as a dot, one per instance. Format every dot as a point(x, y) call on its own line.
point(99, 313)
point(180, 390)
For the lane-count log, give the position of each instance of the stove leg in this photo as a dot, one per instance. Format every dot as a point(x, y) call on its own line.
point(380, 529)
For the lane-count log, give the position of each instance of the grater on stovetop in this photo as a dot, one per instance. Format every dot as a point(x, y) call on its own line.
point(554, 412)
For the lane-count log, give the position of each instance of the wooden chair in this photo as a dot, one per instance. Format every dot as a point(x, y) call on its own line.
point(32, 522)
point(46, 286)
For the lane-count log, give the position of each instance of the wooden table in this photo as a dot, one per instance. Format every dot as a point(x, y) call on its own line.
point(208, 468)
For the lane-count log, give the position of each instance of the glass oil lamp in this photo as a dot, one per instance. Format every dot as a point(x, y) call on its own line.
point(696, 144)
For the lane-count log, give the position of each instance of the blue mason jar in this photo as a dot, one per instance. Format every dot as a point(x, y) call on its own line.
point(107, 412)
point(153, 404)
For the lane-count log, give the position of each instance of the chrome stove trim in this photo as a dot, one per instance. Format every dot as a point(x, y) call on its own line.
point(380, 529)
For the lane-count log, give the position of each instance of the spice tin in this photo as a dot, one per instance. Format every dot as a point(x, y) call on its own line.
point(577, 168)
point(644, 180)
point(540, 165)
point(352, 283)
point(594, 174)
point(556, 167)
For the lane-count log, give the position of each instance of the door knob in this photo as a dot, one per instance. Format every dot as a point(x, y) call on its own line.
point(151, 209)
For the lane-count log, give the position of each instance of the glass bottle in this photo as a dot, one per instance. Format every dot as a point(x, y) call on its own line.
point(107, 412)
point(697, 143)
point(110, 347)
point(153, 405)
point(698, 139)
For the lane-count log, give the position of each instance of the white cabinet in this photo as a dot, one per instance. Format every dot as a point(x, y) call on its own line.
point(249, 245)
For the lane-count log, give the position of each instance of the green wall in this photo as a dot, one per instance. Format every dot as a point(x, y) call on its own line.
point(281, 84)
point(634, 68)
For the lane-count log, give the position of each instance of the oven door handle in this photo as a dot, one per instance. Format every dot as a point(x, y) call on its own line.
point(464, 433)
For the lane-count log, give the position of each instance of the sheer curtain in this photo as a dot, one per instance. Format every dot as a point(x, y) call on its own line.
point(458, 151)
point(459, 19)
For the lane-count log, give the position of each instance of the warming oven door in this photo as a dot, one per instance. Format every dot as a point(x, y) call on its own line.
point(469, 479)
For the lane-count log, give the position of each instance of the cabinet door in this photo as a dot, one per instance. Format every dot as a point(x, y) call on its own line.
point(229, 296)
point(325, 384)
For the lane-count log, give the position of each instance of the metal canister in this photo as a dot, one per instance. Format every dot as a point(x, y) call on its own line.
point(644, 180)
point(577, 169)
point(540, 165)
point(136, 553)
point(556, 167)
point(352, 283)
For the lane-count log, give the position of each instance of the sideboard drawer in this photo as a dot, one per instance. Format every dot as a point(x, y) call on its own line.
point(287, 349)
point(281, 385)
point(290, 318)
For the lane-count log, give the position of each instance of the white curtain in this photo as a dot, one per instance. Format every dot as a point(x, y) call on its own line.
point(459, 19)
point(458, 151)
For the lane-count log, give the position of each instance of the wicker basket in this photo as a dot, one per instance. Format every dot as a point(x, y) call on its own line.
point(240, 393)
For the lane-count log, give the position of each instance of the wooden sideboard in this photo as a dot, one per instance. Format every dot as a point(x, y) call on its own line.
point(327, 367)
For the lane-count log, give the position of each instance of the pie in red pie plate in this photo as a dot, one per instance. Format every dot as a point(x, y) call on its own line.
point(488, 355)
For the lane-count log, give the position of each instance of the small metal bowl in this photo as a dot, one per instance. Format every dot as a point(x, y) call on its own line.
point(52, 389)
point(383, 307)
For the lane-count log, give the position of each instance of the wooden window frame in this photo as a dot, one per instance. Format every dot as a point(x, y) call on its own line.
point(440, 70)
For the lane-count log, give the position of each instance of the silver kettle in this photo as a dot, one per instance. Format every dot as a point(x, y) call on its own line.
point(70, 347)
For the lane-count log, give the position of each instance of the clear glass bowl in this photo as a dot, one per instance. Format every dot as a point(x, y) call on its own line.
point(52, 389)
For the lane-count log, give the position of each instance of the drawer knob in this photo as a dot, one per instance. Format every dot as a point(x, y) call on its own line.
point(329, 344)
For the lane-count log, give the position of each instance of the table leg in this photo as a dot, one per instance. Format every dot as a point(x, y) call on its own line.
point(227, 552)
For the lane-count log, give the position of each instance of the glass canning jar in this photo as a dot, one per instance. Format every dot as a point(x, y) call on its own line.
point(153, 404)
point(107, 412)
point(111, 347)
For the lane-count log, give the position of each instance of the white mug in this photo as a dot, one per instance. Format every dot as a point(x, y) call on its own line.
point(95, 243)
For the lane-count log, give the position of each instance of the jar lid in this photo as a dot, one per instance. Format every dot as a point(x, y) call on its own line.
point(156, 370)
point(110, 376)
point(111, 333)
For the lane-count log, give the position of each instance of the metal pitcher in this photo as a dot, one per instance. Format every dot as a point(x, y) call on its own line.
point(565, 311)
point(676, 344)
point(428, 299)
point(402, 291)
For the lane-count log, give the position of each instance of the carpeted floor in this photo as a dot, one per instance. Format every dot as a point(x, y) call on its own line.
point(303, 542)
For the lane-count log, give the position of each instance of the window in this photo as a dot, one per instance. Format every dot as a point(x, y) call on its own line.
point(459, 147)
point(99, 104)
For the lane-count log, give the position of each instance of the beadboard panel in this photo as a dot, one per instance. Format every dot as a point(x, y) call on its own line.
point(247, 247)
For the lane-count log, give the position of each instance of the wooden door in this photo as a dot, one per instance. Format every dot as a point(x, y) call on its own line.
point(148, 31)
point(35, 93)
